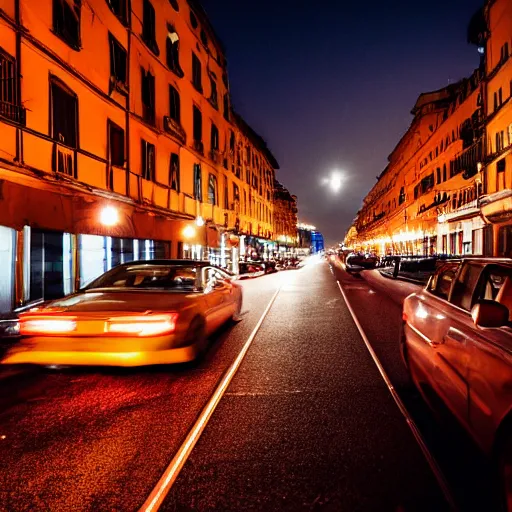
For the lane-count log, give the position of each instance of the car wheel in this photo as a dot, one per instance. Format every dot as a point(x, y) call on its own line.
point(505, 472)
point(196, 335)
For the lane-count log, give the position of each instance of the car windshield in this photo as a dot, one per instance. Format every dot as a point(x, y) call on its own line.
point(148, 277)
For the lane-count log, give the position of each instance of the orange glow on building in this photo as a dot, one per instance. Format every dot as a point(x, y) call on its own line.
point(118, 107)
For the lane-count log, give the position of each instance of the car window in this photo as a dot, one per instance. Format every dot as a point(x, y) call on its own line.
point(496, 284)
point(441, 283)
point(212, 276)
point(148, 276)
point(463, 293)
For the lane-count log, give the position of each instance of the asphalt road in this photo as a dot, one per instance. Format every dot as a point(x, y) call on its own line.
point(307, 422)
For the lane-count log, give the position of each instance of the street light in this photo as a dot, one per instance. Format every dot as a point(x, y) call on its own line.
point(109, 216)
point(189, 232)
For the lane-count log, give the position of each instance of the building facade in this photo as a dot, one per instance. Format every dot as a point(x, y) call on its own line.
point(118, 142)
point(447, 177)
point(285, 218)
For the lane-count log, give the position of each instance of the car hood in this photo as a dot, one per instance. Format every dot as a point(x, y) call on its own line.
point(102, 300)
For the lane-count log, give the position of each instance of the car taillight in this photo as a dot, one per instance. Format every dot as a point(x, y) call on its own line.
point(147, 325)
point(46, 325)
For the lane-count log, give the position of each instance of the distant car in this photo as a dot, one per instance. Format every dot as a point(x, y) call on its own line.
point(249, 270)
point(457, 345)
point(356, 262)
point(139, 313)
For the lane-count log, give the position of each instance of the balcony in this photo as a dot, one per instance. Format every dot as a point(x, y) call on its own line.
point(198, 146)
point(175, 129)
point(15, 113)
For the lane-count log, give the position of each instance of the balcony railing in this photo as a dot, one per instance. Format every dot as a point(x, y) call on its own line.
point(175, 129)
point(13, 112)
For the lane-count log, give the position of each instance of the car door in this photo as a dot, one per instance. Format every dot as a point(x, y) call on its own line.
point(490, 359)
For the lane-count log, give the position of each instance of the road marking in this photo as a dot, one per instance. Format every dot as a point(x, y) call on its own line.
point(434, 466)
point(170, 475)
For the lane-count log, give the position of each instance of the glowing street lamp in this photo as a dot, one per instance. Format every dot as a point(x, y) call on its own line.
point(189, 232)
point(109, 216)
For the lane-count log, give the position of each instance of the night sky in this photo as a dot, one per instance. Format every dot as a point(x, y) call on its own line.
point(330, 85)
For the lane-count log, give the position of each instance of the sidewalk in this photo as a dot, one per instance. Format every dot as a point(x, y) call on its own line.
point(307, 422)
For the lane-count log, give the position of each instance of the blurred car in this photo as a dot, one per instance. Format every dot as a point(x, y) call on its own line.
point(139, 313)
point(457, 345)
point(356, 262)
point(249, 270)
point(9, 331)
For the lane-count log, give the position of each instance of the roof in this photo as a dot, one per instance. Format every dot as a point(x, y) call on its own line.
point(256, 139)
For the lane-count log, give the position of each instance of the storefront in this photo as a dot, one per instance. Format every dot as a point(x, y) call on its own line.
point(7, 259)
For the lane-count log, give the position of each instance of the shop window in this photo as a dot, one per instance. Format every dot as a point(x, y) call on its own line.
point(505, 241)
point(147, 160)
point(214, 94)
point(118, 58)
point(172, 46)
point(116, 144)
point(149, 26)
point(119, 8)
point(121, 251)
point(174, 105)
point(7, 246)
point(174, 173)
point(64, 113)
point(198, 192)
point(196, 73)
point(148, 96)
point(212, 189)
point(66, 21)
point(198, 124)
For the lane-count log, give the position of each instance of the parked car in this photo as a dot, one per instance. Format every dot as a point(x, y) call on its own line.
point(9, 331)
point(457, 345)
point(249, 270)
point(139, 313)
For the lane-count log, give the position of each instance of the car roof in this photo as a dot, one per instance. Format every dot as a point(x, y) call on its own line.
point(188, 263)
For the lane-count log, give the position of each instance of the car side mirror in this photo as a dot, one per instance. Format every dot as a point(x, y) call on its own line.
point(489, 313)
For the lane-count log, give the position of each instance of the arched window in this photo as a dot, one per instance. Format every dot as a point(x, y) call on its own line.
point(173, 53)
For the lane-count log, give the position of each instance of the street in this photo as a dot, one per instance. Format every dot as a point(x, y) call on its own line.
point(306, 423)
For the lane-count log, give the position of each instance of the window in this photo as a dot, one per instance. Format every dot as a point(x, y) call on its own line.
point(172, 46)
point(444, 172)
point(236, 193)
point(118, 7)
point(117, 61)
point(495, 101)
point(175, 5)
point(149, 27)
point(9, 107)
point(500, 166)
point(198, 193)
point(116, 154)
point(438, 172)
point(212, 189)
point(174, 172)
point(226, 193)
point(401, 197)
point(196, 73)
point(193, 20)
point(198, 124)
point(441, 283)
point(64, 114)
point(504, 52)
point(500, 96)
point(500, 138)
point(66, 21)
point(226, 107)
point(213, 97)
point(147, 160)
point(174, 105)
point(203, 37)
point(464, 286)
point(148, 96)
point(214, 138)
